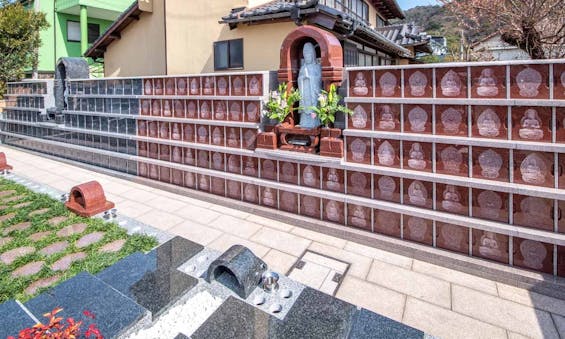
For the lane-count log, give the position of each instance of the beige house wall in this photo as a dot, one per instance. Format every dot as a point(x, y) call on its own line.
point(141, 49)
point(192, 29)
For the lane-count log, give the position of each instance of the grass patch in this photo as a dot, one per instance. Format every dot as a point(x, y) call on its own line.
point(95, 260)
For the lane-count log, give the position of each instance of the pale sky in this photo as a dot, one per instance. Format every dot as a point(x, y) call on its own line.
point(407, 4)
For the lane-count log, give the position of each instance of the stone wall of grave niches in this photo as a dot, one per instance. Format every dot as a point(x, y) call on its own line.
point(442, 166)
point(28, 100)
point(479, 146)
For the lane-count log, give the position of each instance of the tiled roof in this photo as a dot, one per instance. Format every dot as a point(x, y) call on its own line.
point(283, 9)
point(404, 34)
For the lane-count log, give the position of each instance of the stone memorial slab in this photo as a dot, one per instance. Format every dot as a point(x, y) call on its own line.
point(13, 320)
point(529, 81)
point(452, 237)
point(334, 211)
point(115, 313)
point(418, 119)
point(333, 179)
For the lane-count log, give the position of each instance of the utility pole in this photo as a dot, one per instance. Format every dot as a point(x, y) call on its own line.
point(35, 73)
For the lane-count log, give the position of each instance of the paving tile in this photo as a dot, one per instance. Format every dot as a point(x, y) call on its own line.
point(54, 248)
point(22, 205)
point(513, 335)
point(503, 313)
point(531, 299)
point(166, 204)
point(198, 214)
point(319, 237)
point(446, 324)
point(40, 235)
point(230, 211)
point(140, 195)
point(89, 239)
point(72, 230)
point(160, 220)
point(17, 227)
point(57, 220)
point(323, 260)
point(312, 275)
point(284, 242)
point(456, 277)
point(329, 286)
point(412, 283)
point(227, 240)
point(560, 324)
point(239, 227)
point(38, 212)
point(195, 232)
point(281, 226)
point(279, 262)
point(381, 255)
point(65, 262)
point(10, 256)
point(5, 241)
point(29, 269)
point(359, 265)
point(12, 199)
point(113, 247)
point(372, 297)
point(132, 209)
point(7, 217)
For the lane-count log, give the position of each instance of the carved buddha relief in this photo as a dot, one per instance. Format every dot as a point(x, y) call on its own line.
point(490, 163)
point(454, 236)
point(417, 157)
point(208, 86)
point(530, 125)
point(451, 84)
point(269, 198)
point(534, 253)
point(156, 108)
point(170, 86)
point(164, 130)
point(333, 181)
point(153, 150)
point(153, 129)
point(358, 183)
point(386, 120)
point(288, 173)
point(249, 137)
point(417, 83)
point(451, 160)
point(529, 82)
point(222, 86)
point(203, 183)
point(418, 118)
point(217, 136)
point(188, 156)
point(333, 211)
point(189, 179)
point(288, 201)
point(417, 228)
point(386, 154)
point(451, 120)
point(235, 111)
point(250, 193)
point(179, 108)
point(234, 165)
point(358, 150)
point(177, 154)
point(451, 201)
point(359, 217)
point(490, 204)
point(310, 206)
point(220, 111)
point(234, 189)
point(238, 86)
point(417, 193)
point(233, 138)
point(491, 245)
point(153, 172)
point(158, 86)
point(194, 86)
point(388, 222)
point(202, 135)
point(388, 83)
point(145, 107)
point(188, 133)
point(387, 187)
point(359, 117)
point(534, 169)
point(167, 108)
point(254, 86)
point(142, 169)
point(191, 109)
point(218, 161)
point(360, 85)
point(250, 167)
point(176, 135)
point(205, 110)
point(487, 84)
point(252, 112)
point(203, 159)
point(309, 176)
point(142, 128)
point(489, 123)
point(181, 86)
point(536, 212)
point(269, 171)
point(142, 150)
point(148, 88)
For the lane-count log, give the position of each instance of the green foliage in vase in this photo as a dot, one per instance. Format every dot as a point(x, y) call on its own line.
point(329, 106)
point(281, 102)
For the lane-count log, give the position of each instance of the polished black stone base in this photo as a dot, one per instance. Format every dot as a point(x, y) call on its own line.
point(13, 319)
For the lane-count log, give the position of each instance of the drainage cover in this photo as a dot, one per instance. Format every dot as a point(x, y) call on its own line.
point(319, 271)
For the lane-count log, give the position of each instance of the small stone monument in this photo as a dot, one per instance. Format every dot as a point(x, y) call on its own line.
point(88, 199)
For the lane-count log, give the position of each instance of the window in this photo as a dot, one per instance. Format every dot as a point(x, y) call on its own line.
point(73, 31)
point(228, 54)
point(357, 8)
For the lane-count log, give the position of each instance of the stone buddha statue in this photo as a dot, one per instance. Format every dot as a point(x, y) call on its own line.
point(310, 86)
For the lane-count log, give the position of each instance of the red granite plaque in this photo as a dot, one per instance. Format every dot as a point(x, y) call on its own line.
point(205, 111)
point(452, 237)
point(202, 134)
point(559, 81)
point(182, 86)
point(529, 81)
point(189, 180)
point(452, 120)
point(234, 163)
point(388, 83)
point(156, 108)
point(255, 85)
point(188, 132)
point(333, 211)
point(418, 229)
point(170, 86)
point(235, 111)
point(177, 177)
point(233, 189)
point(217, 136)
point(208, 85)
point(194, 87)
point(251, 193)
point(533, 255)
point(218, 162)
point(164, 130)
point(490, 163)
point(288, 172)
point(534, 168)
point(268, 169)
point(145, 107)
point(418, 83)
point(203, 182)
point(310, 206)
point(269, 197)
point(451, 83)
point(452, 159)
point(387, 117)
point(189, 156)
point(142, 149)
point(250, 166)
point(490, 205)
point(233, 138)
point(203, 158)
point(238, 85)
point(533, 212)
point(288, 202)
point(387, 152)
point(418, 156)
point(333, 180)
point(560, 124)
point(418, 119)
point(488, 82)
point(249, 138)
point(179, 108)
point(220, 109)
point(359, 217)
point(192, 109)
point(387, 223)
point(165, 152)
point(490, 122)
point(153, 150)
point(310, 176)
point(142, 170)
point(362, 117)
point(222, 85)
point(165, 174)
point(452, 199)
point(386, 188)
point(490, 245)
point(252, 111)
point(359, 183)
point(561, 261)
point(218, 186)
point(531, 123)
point(418, 193)
point(361, 83)
point(359, 150)
point(158, 86)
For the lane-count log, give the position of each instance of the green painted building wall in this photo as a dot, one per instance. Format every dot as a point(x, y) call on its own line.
point(54, 43)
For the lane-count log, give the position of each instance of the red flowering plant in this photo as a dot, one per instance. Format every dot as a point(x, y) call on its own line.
point(59, 329)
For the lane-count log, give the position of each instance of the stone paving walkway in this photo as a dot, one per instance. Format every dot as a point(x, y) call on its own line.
point(437, 300)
